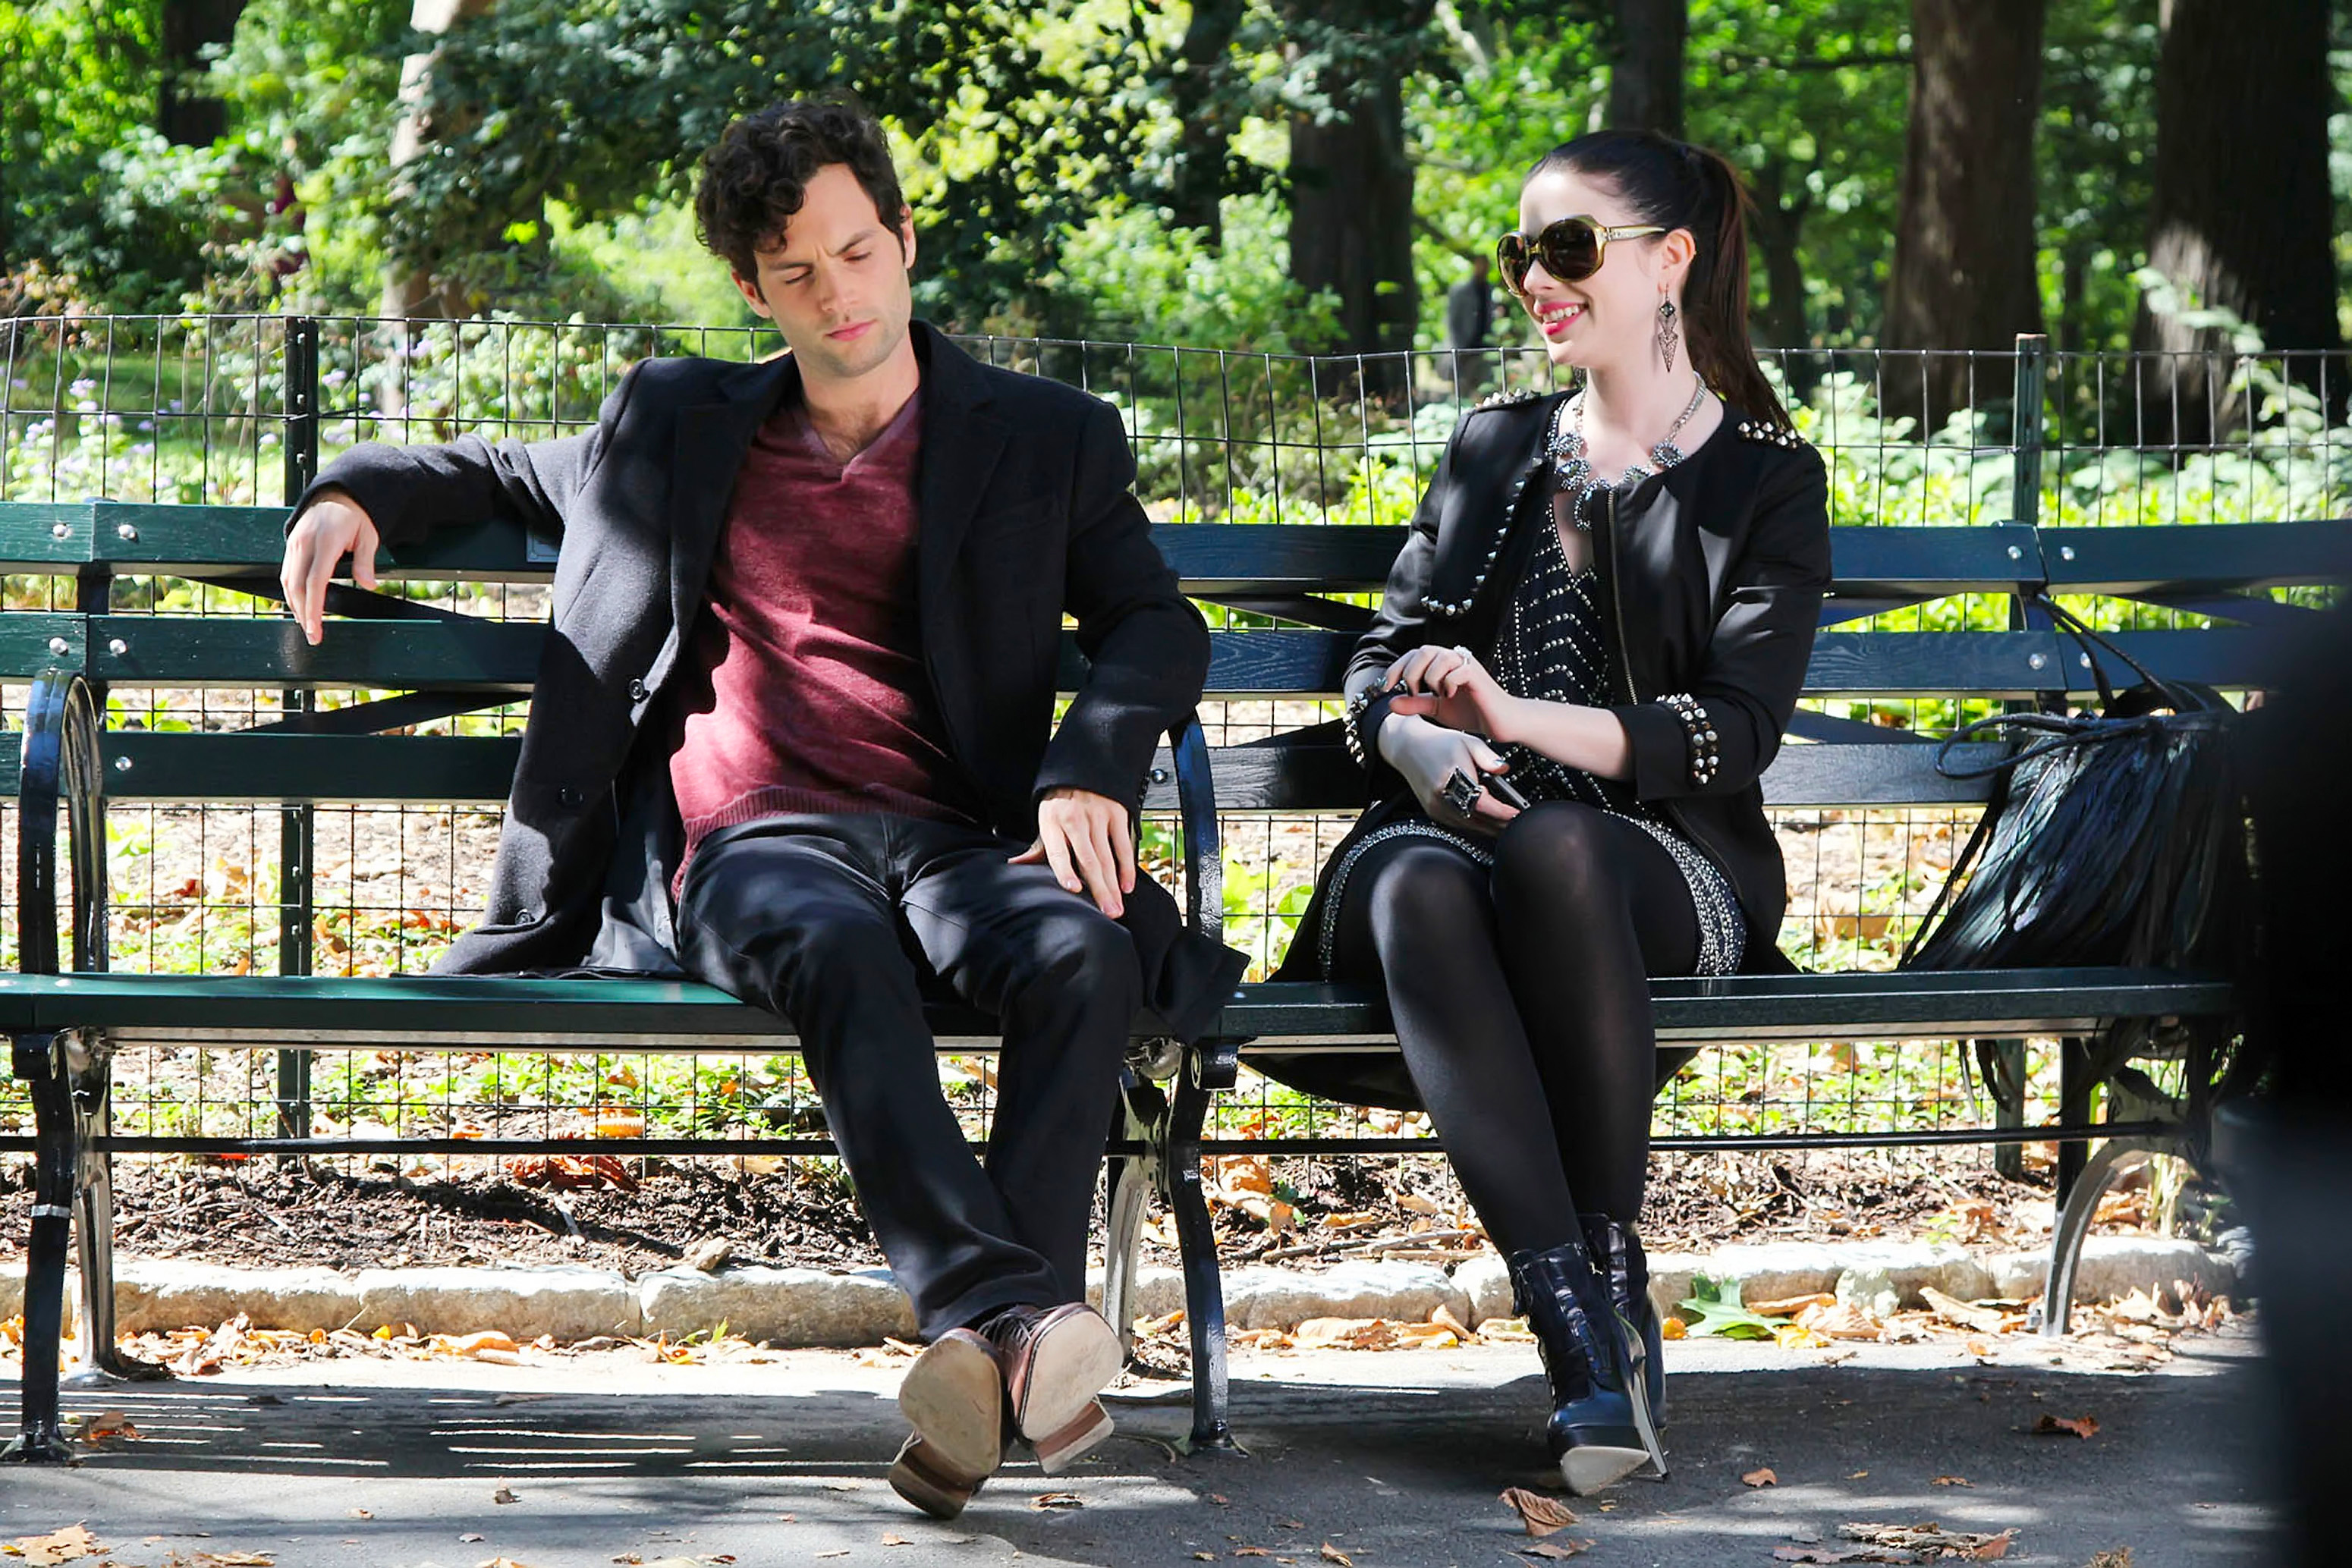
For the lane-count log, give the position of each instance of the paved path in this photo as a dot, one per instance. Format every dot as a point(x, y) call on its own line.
point(1392, 1459)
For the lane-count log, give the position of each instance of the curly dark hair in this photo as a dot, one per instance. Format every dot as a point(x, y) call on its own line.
point(754, 176)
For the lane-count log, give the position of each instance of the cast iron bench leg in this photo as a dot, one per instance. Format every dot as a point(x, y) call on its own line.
point(2131, 1098)
point(39, 1060)
point(1208, 1067)
point(1132, 1178)
point(98, 1362)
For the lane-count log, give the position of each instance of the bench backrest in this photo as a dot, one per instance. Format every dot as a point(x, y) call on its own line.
point(1278, 577)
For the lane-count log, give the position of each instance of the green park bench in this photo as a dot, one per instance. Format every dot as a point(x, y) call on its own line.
point(66, 1016)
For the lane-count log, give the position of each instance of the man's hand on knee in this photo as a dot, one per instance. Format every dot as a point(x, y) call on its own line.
point(1084, 837)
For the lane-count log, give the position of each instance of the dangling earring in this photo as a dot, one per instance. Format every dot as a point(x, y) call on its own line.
point(1669, 330)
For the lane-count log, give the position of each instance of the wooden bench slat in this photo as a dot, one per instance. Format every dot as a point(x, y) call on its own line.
point(452, 1012)
point(2199, 555)
point(1904, 1004)
point(145, 537)
point(188, 767)
point(467, 653)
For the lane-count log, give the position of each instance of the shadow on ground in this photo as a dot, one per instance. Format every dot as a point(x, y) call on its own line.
point(1390, 1459)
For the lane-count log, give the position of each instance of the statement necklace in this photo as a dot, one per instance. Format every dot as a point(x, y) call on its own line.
point(1573, 468)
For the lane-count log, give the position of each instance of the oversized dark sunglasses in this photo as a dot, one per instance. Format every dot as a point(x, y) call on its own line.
point(1570, 249)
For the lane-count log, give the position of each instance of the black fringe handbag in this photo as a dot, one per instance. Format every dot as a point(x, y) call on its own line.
point(2116, 839)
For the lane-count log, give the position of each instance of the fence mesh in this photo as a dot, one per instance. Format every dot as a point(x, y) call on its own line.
point(208, 410)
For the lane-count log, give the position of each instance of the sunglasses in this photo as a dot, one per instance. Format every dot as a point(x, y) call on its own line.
point(1570, 249)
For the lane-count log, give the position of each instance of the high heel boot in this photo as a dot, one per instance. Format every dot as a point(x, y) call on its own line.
point(1617, 1256)
point(1600, 1430)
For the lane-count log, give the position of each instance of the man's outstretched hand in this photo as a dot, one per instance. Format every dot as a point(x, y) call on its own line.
point(334, 526)
point(1085, 837)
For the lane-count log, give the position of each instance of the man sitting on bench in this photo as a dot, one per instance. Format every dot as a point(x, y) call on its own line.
point(793, 735)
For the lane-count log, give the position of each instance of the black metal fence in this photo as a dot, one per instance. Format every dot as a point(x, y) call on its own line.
point(241, 410)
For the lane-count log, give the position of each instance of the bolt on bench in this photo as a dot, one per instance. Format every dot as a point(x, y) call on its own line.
point(67, 1019)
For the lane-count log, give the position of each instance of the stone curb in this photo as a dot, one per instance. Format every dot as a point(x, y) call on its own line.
point(797, 1307)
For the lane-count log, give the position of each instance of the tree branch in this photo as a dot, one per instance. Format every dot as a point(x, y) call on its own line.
point(1842, 62)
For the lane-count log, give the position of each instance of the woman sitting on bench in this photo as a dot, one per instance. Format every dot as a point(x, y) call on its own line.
point(1583, 661)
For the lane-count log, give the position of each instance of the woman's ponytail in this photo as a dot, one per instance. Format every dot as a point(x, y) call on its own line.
point(1680, 186)
point(1715, 293)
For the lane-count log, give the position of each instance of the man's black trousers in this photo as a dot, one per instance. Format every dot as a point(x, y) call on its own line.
point(842, 923)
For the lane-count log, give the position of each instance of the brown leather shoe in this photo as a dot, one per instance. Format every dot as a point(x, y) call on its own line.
point(1054, 1361)
point(953, 1396)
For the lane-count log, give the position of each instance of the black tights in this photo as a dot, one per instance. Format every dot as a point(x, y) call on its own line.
point(1521, 998)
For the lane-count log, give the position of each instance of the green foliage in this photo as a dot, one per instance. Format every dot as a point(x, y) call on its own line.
point(1046, 148)
point(1133, 275)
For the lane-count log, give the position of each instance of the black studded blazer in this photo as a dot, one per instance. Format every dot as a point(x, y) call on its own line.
point(1713, 574)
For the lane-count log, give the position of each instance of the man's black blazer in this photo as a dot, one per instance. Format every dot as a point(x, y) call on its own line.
point(1026, 510)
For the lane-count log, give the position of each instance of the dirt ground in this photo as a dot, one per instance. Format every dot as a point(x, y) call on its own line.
point(260, 1213)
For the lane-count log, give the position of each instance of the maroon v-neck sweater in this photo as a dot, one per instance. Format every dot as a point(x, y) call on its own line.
point(807, 691)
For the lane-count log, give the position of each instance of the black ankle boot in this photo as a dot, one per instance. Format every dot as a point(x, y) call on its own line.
point(1600, 1431)
point(1617, 1256)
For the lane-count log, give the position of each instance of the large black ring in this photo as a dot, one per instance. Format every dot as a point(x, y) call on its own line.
point(1462, 791)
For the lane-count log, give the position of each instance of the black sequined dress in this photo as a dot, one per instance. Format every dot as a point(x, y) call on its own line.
point(1552, 648)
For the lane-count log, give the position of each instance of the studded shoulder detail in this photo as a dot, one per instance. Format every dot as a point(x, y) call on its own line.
point(1771, 434)
point(1510, 399)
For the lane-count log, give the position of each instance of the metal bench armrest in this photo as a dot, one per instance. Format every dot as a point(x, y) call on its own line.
point(60, 771)
point(1196, 808)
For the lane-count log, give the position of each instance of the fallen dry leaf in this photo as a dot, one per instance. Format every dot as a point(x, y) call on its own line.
point(107, 1424)
point(1788, 1307)
point(487, 1345)
point(1951, 1482)
point(58, 1546)
point(890, 1540)
point(1349, 1333)
point(1926, 1543)
point(503, 1495)
point(1541, 1515)
point(1761, 1478)
point(1984, 1319)
point(1570, 1547)
point(1841, 1320)
point(2114, 1557)
point(1045, 1500)
point(2066, 1426)
point(1443, 1316)
point(1333, 1555)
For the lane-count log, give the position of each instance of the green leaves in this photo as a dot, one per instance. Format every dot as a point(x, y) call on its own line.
point(1720, 1313)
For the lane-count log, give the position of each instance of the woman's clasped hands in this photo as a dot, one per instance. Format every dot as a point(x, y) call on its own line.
point(1446, 709)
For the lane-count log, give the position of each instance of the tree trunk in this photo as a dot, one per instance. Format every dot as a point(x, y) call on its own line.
point(1351, 211)
point(1964, 239)
point(410, 290)
point(1645, 78)
point(2242, 215)
point(1196, 183)
point(188, 117)
point(1776, 225)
